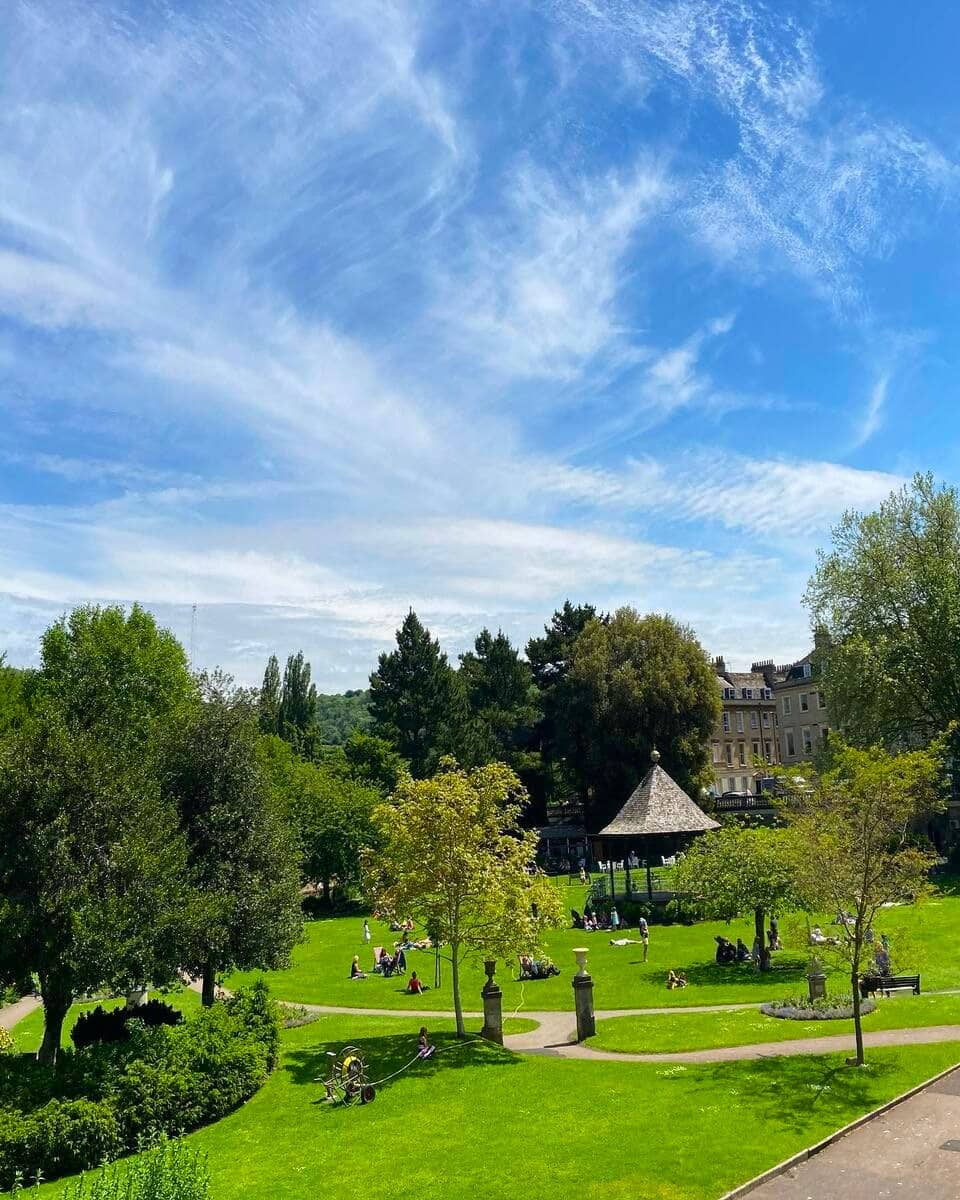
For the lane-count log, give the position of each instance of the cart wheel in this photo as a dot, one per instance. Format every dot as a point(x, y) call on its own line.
point(368, 1094)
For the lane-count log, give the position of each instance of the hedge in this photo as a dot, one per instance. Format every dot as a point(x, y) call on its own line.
point(106, 1099)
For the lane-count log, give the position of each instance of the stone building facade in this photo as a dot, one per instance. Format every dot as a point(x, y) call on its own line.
point(746, 738)
point(802, 719)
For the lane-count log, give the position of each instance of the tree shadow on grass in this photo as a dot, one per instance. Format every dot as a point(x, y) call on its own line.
point(785, 973)
point(389, 1058)
point(805, 1091)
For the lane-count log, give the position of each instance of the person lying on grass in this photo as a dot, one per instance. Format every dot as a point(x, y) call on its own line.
point(676, 979)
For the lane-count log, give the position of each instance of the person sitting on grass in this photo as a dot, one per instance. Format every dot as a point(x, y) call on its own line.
point(743, 954)
point(425, 1049)
point(416, 986)
point(726, 950)
point(676, 979)
point(819, 938)
point(355, 972)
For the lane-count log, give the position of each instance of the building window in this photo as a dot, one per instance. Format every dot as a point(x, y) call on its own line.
point(716, 752)
point(753, 719)
point(744, 784)
point(756, 749)
point(731, 784)
point(726, 722)
point(739, 722)
point(804, 702)
point(729, 750)
point(807, 739)
point(766, 720)
point(786, 706)
point(766, 751)
point(821, 703)
point(824, 734)
point(790, 750)
point(748, 693)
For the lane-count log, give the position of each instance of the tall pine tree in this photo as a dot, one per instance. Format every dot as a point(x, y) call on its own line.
point(550, 658)
point(298, 700)
point(268, 704)
point(500, 694)
point(413, 697)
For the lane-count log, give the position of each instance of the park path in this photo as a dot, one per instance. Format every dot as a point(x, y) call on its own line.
point(912, 1151)
point(555, 1031)
point(10, 1014)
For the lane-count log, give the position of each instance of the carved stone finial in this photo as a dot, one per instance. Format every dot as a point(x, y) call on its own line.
point(654, 756)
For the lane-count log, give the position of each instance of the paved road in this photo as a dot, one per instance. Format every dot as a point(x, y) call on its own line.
point(900, 1154)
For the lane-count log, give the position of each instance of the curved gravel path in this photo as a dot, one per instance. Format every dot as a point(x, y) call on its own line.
point(555, 1032)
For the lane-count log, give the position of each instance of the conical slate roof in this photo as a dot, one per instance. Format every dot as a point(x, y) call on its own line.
point(658, 805)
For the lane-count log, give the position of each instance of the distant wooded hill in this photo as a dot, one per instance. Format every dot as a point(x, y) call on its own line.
point(338, 715)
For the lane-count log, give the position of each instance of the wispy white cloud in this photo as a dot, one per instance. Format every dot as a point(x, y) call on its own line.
point(815, 182)
point(771, 499)
point(537, 292)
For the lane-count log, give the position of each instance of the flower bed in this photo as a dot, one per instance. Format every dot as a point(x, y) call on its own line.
point(103, 1100)
point(802, 1008)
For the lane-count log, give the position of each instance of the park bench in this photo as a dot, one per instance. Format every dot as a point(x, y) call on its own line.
point(869, 984)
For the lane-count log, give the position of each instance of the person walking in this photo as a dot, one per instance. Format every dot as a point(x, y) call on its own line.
point(366, 933)
point(644, 936)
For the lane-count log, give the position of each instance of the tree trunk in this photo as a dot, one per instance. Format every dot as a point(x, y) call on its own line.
point(857, 1022)
point(209, 993)
point(758, 923)
point(327, 893)
point(457, 1006)
point(56, 1002)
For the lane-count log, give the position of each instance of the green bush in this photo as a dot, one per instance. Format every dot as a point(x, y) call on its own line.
point(261, 1016)
point(108, 1098)
point(62, 1137)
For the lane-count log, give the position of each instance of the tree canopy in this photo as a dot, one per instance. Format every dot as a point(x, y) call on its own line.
point(455, 858)
point(855, 847)
point(738, 870)
point(330, 811)
point(91, 858)
point(414, 701)
point(887, 593)
point(636, 684)
point(243, 861)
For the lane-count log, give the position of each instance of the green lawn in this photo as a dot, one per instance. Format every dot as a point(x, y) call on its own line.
point(701, 1031)
point(480, 1121)
point(923, 939)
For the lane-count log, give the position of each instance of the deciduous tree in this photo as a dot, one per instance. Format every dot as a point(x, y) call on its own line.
point(887, 593)
point(636, 684)
point(854, 845)
point(738, 870)
point(92, 865)
point(454, 857)
point(243, 858)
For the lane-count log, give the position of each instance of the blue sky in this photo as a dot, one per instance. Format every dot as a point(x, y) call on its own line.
point(310, 312)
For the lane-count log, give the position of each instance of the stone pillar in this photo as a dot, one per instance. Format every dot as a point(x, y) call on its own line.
point(583, 997)
point(492, 1006)
point(816, 982)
